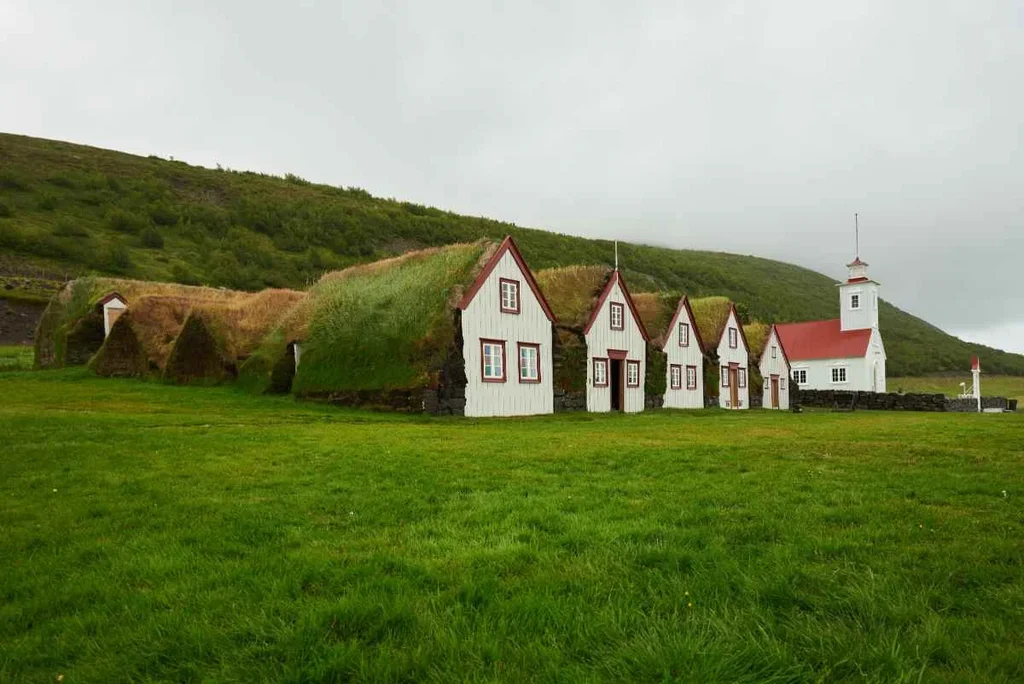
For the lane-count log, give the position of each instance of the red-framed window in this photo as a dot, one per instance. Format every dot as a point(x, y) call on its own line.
point(691, 377)
point(617, 316)
point(529, 362)
point(492, 360)
point(675, 374)
point(774, 351)
point(508, 290)
point(684, 334)
point(632, 373)
point(600, 372)
point(733, 338)
point(725, 376)
point(741, 377)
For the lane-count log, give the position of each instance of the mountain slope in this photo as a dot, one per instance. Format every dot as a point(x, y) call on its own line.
point(68, 209)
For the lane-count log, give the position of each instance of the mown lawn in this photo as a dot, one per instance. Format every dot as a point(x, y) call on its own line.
point(15, 357)
point(155, 533)
point(1011, 386)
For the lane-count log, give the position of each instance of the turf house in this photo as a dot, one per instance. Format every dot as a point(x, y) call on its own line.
point(461, 329)
point(602, 345)
point(80, 317)
point(775, 370)
point(190, 339)
point(670, 322)
point(733, 353)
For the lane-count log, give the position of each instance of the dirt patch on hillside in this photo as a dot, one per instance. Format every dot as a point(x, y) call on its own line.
point(18, 321)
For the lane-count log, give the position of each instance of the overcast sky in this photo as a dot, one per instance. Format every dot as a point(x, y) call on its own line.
point(751, 127)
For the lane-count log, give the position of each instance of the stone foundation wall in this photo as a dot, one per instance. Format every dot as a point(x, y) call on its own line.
point(890, 401)
point(570, 400)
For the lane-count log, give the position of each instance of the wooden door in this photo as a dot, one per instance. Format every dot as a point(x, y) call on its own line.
point(734, 388)
point(775, 391)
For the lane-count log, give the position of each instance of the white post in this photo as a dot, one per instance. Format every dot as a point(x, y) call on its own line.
point(976, 375)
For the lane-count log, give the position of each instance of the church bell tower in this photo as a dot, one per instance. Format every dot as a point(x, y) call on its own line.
point(858, 299)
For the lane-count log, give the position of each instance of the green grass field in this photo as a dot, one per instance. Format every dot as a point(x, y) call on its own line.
point(991, 385)
point(159, 533)
point(15, 357)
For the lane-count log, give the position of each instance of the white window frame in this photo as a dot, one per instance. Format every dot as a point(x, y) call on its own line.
point(617, 308)
point(800, 376)
point(684, 334)
point(725, 376)
point(741, 377)
point(631, 368)
point(734, 338)
point(508, 306)
point(836, 372)
point(535, 350)
point(854, 301)
point(675, 372)
point(775, 351)
point(601, 364)
point(690, 386)
point(487, 356)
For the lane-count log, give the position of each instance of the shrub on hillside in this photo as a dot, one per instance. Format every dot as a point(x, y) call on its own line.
point(126, 222)
point(5, 211)
point(152, 238)
point(163, 214)
point(67, 227)
point(12, 181)
point(118, 257)
point(47, 202)
point(184, 275)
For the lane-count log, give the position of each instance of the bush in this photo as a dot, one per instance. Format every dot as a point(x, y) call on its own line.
point(126, 222)
point(66, 227)
point(163, 214)
point(5, 211)
point(47, 202)
point(182, 274)
point(152, 238)
point(10, 181)
point(118, 257)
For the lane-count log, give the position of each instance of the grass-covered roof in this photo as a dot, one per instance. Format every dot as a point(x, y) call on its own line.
point(710, 314)
point(573, 291)
point(382, 326)
point(656, 310)
point(757, 336)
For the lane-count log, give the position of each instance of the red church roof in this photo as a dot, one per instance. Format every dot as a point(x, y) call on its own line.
point(822, 340)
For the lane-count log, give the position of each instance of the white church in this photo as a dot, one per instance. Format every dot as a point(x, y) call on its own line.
point(844, 353)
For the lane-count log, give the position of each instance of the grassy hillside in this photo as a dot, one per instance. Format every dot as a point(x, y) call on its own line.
point(68, 209)
point(304, 543)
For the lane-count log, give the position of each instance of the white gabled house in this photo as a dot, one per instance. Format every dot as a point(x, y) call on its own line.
point(616, 343)
point(113, 306)
point(844, 353)
point(684, 351)
point(775, 369)
point(507, 338)
point(733, 361)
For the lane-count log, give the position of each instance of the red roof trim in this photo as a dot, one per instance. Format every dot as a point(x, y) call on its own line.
point(862, 279)
point(672, 334)
point(110, 297)
point(616, 277)
point(739, 326)
point(774, 333)
point(507, 245)
point(857, 262)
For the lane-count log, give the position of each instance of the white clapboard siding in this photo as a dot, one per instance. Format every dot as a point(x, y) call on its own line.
point(728, 355)
point(602, 338)
point(773, 363)
point(690, 355)
point(484, 319)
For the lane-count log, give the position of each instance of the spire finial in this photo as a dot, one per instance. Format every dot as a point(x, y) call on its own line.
point(856, 228)
point(616, 255)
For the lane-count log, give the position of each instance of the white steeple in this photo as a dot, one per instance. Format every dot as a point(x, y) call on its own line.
point(858, 298)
